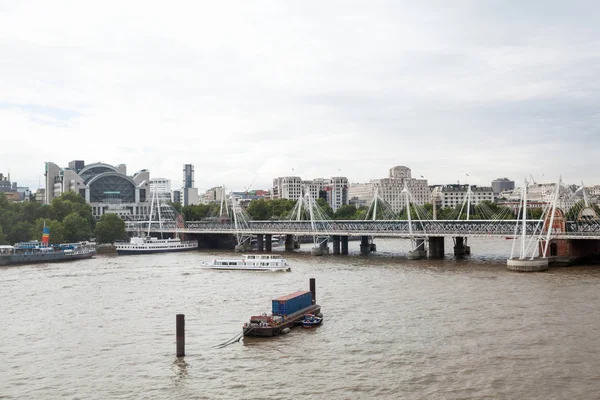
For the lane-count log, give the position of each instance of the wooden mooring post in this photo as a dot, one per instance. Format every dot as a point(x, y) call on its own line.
point(313, 290)
point(180, 328)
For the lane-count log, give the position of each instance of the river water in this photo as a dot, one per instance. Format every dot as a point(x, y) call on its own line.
point(454, 329)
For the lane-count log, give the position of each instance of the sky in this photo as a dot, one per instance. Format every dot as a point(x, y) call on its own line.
point(247, 91)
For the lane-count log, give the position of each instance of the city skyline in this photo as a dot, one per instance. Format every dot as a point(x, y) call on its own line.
point(251, 92)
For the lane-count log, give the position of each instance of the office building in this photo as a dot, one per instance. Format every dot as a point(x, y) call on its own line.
point(502, 184)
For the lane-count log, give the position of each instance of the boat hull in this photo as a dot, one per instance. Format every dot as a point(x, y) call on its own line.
point(245, 268)
point(124, 252)
point(24, 259)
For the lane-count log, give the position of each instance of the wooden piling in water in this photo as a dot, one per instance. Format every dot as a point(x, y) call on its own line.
point(180, 328)
point(313, 290)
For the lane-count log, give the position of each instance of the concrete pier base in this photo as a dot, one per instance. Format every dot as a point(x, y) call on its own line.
point(460, 248)
point(344, 240)
point(289, 243)
point(420, 247)
point(239, 248)
point(316, 251)
point(527, 265)
point(260, 242)
point(336, 244)
point(324, 247)
point(268, 242)
point(436, 247)
point(414, 255)
point(365, 246)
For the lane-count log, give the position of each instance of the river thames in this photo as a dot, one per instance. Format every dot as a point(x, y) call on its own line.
point(393, 329)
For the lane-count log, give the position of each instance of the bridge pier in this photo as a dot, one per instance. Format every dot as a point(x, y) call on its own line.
point(344, 245)
point(436, 247)
point(260, 242)
point(324, 247)
point(365, 246)
point(336, 244)
point(289, 243)
point(419, 251)
point(268, 242)
point(460, 247)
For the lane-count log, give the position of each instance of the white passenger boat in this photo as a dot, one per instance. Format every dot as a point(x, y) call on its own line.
point(149, 245)
point(249, 262)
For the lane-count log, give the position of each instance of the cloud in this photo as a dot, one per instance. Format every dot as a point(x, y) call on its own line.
point(246, 92)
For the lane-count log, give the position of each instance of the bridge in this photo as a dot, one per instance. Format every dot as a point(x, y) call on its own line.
point(378, 228)
point(552, 233)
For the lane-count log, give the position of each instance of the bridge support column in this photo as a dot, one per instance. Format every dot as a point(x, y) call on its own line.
point(344, 245)
point(289, 243)
point(365, 246)
point(460, 247)
point(260, 242)
point(420, 247)
point(268, 242)
point(336, 244)
point(324, 247)
point(436, 247)
point(419, 251)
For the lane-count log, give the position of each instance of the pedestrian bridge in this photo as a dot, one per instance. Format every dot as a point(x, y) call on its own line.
point(378, 228)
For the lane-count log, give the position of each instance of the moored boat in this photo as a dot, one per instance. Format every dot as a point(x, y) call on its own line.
point(287, 311)
point(150, 245)
point(43, 252)
point(249, 262)
point(35, 252)
point(311, 320)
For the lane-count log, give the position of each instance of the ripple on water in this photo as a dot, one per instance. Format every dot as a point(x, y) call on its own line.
point(104, 328)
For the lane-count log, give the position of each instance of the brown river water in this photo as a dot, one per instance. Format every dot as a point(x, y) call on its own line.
point(393, 329)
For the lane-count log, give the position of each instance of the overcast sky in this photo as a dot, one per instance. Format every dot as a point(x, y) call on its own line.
point(250, 90)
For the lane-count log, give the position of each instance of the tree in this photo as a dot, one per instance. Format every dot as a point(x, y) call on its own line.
point(110, 228)
point(68, 203)
point(176, 206)
point(347, 211)
point(325, 207)
point(19, 232)
point(259, 210)
point(76, 228)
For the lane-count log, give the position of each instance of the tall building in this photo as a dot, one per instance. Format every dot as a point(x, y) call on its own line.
point(189, 194)
point(502, 184)
point(337, 192)
point(105, 187)
point(188, 176)
point(390, 189)
point(287, 187)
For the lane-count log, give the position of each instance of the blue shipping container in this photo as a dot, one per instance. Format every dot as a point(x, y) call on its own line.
point(286, 306)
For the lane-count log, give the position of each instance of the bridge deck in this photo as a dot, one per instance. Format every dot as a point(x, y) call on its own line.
point(389, 228)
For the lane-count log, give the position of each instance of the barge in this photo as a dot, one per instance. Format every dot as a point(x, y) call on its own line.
point(287, 311)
